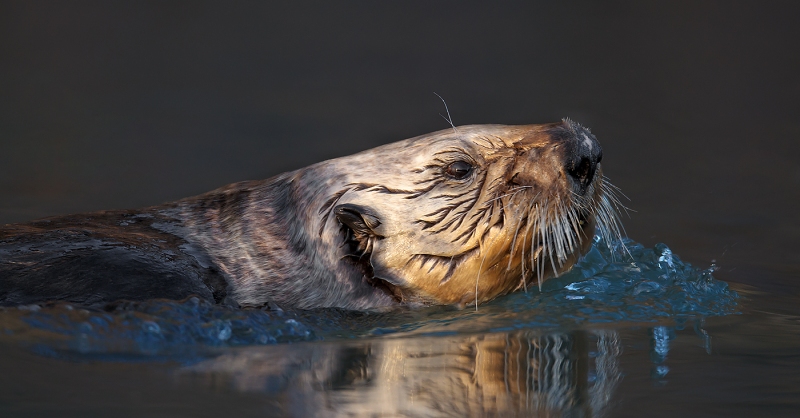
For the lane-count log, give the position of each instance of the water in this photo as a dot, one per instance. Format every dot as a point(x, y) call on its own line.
point(617, 283)
point(557, 351)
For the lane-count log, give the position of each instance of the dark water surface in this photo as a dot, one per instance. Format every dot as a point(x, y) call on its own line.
point(696, 105)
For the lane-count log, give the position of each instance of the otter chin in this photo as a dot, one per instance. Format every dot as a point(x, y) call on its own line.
point(455, 217)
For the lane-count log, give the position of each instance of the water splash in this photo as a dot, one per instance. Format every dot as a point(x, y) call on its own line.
point(620, 282)
point(125, 330)
point(650, 283)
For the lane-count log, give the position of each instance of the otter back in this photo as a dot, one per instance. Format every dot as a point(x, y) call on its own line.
point(100, 257)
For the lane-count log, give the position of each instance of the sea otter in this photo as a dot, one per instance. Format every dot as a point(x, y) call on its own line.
point(455, 217)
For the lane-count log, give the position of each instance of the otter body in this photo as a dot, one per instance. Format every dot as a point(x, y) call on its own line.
point(455, 217)
point(101, 257)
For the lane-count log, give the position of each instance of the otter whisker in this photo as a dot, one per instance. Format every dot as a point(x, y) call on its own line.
point(532, 224)
point(514, 243)
point(577, 234)
point(573, 221)
point(516, 230)
point(522, 248)
point(603, 224)
point(518, 189)
point(569, 233)
point(448, 118)
point(558, 233)
point(480, 268)
point(551, 244)
point(608, 223)
point(611, 191)
point(610, 216)
point(522, 255)
point(555, 237)
point(371, 266)
point(540, 259)
point(606, 182)
point(534, 255)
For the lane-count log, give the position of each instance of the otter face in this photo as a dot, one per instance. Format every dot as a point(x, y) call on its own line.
point(461, 217)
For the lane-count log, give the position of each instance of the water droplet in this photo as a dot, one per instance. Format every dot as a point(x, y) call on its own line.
point(151, 327)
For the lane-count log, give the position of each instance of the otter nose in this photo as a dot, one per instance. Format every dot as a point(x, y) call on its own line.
point(583, 155)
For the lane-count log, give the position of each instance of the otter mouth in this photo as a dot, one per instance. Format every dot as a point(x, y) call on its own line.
point(553, 236)
point(582, 233)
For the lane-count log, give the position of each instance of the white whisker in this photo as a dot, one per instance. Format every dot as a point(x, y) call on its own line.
point(448, 118)
point(480, 244)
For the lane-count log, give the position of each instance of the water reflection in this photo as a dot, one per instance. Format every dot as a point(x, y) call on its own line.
point(503, 374)
point(659, 341)
point(661, 337)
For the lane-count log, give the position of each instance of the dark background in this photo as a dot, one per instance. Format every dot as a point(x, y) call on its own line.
point(697, 104)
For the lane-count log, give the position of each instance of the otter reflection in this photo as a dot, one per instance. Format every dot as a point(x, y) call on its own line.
point(502, 374)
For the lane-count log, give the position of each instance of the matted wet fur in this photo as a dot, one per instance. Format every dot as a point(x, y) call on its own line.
point(457, 217)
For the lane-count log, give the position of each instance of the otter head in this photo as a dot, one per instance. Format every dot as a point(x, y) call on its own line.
point(463, 216)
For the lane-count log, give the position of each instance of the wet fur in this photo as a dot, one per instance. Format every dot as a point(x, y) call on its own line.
point(376, 229)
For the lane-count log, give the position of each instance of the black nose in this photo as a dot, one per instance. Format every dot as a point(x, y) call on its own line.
point(583, 153)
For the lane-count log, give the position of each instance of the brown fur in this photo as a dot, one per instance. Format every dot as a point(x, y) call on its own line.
point(422, 238)
point(453, 217)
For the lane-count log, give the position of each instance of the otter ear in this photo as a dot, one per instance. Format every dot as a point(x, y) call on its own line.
point(358, 218)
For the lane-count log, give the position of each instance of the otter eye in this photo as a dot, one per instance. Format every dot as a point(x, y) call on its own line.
point(459, 169)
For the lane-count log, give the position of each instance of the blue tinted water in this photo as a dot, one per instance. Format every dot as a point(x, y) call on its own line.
point(612, 284)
